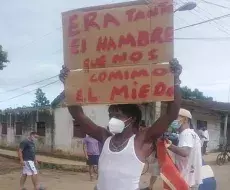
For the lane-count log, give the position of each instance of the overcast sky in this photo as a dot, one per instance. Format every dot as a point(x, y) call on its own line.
point(31, 33)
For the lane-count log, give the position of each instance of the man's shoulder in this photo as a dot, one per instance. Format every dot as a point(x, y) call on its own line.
point(24, 144)
point(27, 141)
point(24, 141)
point(194, 134)
point(187, 132)
point(91, 139)
point(186, 138)
point(86, 138)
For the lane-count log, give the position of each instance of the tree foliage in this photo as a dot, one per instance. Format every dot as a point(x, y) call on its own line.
point(11, 109)
point(187, 93)
point(3, 58)
point(41, 99)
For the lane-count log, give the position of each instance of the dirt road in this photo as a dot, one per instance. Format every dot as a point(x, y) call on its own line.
point(60, 180)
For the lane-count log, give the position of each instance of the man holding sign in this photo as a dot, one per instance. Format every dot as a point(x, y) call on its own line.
point(124, 153)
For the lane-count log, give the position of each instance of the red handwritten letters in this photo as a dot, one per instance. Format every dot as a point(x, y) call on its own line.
point(116, 48)
point(118, 36)
point(121, 84)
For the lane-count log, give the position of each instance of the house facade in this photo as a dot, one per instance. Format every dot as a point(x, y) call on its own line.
point(60, 134)
point(213, 123)
point(68, 136)
point(16, 125)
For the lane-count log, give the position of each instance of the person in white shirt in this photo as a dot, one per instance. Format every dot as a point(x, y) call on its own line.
point(205, 139)
point(188, 156)
point(200, 134)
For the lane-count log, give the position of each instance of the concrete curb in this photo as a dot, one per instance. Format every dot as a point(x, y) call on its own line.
point(49, 165)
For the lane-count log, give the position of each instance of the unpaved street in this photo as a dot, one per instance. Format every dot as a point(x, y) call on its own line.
point(62, 180)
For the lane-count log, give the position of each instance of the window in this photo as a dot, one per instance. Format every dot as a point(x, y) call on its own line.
point(77, 131)
point(201, 124)
point(19, 126)
point(41, 128)
point(4, 128)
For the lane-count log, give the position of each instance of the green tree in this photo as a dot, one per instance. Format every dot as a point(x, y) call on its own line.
point(187, 93)
point(41, 99)
point(3, 58)
point(8, 109)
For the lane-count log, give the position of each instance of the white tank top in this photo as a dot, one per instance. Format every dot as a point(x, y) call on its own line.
point(119, 170)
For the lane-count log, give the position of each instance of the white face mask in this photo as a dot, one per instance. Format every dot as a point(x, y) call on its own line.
point(116, 125)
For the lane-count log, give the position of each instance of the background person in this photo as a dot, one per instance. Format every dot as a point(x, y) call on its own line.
point(92, 151)
point(27, 157)
point(188, 156)
point(205, 139)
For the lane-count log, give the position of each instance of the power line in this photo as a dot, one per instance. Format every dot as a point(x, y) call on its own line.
point(219, 26)
point(224, 27)
point(221, 6)
point(203, 22)
point(29, 91)
point(15, 89)
point(33, 41)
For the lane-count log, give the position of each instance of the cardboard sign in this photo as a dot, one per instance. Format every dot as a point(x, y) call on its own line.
point(119, 85)
point(133, 33)
point(113, 51)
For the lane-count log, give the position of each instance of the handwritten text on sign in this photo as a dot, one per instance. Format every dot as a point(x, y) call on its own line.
point(120, 85)
point(116, 36)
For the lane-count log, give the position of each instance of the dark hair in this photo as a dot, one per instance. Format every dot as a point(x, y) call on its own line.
point(130, 110)
point(33, 133)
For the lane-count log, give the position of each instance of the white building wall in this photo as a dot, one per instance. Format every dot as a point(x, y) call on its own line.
point(213, 123)
point(63, 129)
point(11, 140)
point(64, 140)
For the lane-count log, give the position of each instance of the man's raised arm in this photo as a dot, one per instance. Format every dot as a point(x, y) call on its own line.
point(87, 126)
point(162, 124)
